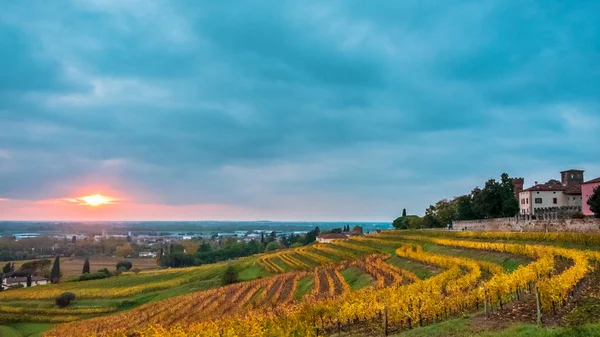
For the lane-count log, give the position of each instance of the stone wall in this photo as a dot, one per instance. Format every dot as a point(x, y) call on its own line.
point(522, 225)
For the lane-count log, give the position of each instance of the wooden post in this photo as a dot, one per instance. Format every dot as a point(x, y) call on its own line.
point(485, 301)
point(385, 320)
point(538, 305)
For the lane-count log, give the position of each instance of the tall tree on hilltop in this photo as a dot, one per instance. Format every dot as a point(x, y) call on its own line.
point(510, 205)
point(464, 210)
point(86, 266)
point(594, 202)
point(28, 281)
point(404, 212)
point(55, 273)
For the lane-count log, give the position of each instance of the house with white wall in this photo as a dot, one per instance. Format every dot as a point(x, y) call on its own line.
point(567, 193)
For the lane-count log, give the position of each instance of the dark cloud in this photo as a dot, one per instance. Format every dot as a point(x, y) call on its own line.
point(294, 107)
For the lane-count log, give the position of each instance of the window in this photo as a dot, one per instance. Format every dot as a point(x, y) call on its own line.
point(522, 201)
point(538, 200)
point(555, 201)
point(527, 201)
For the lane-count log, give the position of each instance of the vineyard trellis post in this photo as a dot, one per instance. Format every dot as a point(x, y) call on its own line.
point(485, 301)
point(538, 306)
point(385, 319)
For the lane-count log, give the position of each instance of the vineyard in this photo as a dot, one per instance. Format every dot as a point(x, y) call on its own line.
point(312, 293)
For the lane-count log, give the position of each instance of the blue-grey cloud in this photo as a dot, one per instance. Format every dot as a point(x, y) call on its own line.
point(340, 109)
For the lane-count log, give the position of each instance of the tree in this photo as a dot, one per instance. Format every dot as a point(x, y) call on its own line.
point(8, 268)
point(510, 205)
point(464, 210)
point(63, 300)
point(124, 250)
point(404, 212)
point(73, 239)
point(429, 221)
point(271, 246)
point(125, 264)
point(204, 247)
point(55, 273)
point(28, 280)
point(414, 222)
point(594, 202)
point(399, 223)
point(230, 276)
point(317, 231)
point(86, 266)
point(553, 182)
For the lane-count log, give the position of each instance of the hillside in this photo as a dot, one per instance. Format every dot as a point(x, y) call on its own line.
point(393, 282)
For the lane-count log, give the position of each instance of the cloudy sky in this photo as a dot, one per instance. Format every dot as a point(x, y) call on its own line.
point(288, 110)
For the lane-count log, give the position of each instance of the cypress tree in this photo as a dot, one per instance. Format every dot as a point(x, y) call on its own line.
point(86, 266)
point(404, 213)
point(55, 273)
point(28, 280)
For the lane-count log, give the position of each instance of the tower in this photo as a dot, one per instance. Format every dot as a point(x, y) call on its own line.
point(571, 177)
point(518, 184)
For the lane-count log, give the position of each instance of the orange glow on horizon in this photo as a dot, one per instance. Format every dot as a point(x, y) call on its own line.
point(93, 200)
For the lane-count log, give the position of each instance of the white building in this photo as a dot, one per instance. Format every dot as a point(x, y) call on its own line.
point(147, 254)
point(545, 196)
point(12, 282)
point(328, 237)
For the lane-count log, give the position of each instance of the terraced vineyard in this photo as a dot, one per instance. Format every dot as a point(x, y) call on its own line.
point(312, 292)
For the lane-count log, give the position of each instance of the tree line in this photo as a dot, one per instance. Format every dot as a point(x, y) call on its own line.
point(176, 257)
point(495, 200)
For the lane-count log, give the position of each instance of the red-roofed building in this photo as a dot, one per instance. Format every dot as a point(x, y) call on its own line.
point(546, 196)
point(587, 189)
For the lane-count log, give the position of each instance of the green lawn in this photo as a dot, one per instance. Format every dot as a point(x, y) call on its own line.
point(356, 278)
point(305, 286)
point(422, 270)
point(461, 327)
point(23, 329)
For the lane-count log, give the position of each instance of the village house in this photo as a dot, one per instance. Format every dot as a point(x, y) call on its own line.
point(563, 194)
point(147, 254)
point(328, 237)
point(21, 282)
point(587, 189)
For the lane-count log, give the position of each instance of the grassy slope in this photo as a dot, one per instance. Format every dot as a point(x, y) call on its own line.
point(461, 327)
point(305, 286)
point(356, 278)
point(23, 329)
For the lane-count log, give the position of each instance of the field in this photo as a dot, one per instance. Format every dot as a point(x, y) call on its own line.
point(409, 283)
point(73, 266)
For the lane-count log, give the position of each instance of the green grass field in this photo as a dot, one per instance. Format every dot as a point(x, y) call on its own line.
point(356, 278)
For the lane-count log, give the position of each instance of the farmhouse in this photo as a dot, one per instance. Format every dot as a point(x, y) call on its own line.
point(147, 254)
point(21, 282)
point(328, 237)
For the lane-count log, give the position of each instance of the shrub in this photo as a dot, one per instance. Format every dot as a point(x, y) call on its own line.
point(63, 300)
point(93, 276)
point(136, 270)
point(230, 276)
point(124, 265)
point(104, 271)
point(272, 246)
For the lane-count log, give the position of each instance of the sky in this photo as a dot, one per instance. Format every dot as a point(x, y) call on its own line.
point(288, 110)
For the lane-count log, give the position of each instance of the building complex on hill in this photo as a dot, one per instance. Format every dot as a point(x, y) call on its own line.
point(556, 196)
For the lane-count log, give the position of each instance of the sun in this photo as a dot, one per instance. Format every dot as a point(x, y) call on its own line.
point(95, 200)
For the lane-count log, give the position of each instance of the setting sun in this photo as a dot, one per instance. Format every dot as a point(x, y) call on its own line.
point(95, 200)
